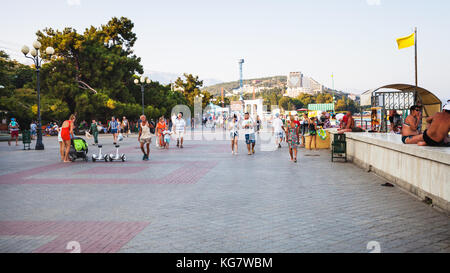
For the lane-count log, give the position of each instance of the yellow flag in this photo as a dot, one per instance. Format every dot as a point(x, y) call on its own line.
point(407, 41)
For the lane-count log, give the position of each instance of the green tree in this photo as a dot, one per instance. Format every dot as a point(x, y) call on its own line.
point(324, 98)
point(341, 105)
point(100, 60)
point(306, 99)
point(285, 103)
point(190, 88)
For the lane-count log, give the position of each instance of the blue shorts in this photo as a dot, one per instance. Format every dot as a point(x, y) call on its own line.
point(113, 131)
point(167, 140)
point(234, 135)
point(279, 134)
point(250, 138)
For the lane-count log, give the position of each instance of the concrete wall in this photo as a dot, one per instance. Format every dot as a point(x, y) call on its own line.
point(423, 171)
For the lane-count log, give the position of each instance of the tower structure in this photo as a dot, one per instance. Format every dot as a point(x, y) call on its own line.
point(241, 80)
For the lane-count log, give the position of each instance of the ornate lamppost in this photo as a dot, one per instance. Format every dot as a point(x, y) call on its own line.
point(142, 82)
point(34, 52)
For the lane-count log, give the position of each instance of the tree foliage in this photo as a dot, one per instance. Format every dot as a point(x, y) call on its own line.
point(190, 88)
point(91, 74)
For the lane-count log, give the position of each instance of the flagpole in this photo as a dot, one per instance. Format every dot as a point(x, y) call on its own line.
point(415, 46)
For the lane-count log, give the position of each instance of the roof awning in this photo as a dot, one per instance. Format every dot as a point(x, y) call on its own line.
point(430, 102)
point(321, 107)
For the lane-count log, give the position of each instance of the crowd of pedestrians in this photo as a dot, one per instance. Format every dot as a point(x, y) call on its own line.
point(294, 130)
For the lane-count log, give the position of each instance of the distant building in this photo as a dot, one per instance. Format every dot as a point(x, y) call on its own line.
point(294, 80)
point(248, 89)
point(297, 84)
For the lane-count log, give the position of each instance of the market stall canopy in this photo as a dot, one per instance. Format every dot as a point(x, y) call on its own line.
point(321, 107)
point(302, 110)
point(430, 102)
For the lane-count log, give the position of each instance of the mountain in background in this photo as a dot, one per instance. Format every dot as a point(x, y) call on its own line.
point(167, 77)
point(274, 82)
point(269, 82)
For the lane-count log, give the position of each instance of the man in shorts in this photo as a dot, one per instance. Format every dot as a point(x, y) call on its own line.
point(249, 129)
point(438, 129)
point(278, 129)
point(114, 127)
point(180, 128)
point(126, 126)
point(14, 130)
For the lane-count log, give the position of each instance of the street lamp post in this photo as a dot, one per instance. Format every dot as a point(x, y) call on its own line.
point(142, 81)
point(34, 52)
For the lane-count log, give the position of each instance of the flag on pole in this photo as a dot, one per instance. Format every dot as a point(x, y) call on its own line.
point(407, 41)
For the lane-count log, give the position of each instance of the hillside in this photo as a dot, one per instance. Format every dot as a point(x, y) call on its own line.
point(272, 82)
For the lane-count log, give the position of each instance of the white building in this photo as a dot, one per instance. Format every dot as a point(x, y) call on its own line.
point(297, 84)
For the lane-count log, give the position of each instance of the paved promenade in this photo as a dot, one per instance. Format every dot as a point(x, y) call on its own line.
point(203, 199)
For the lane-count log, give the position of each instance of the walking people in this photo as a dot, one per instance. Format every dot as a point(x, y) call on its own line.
point(125, 125)
point(180, 129)
point(33, 127)
point(113, 127)
point(67, 135)
point(292, 136)
point(93, 130)
point(145, 137)
point(61, 144)
point(249, 129)
point(258, 124)
point(14, 131)
point(234, 134)
point(160, 128)
point(277, 129)
point(166, 134)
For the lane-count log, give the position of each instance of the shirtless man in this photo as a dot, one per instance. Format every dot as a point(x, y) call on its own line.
point(349, 125)
point(438, 129)
point(410, 132)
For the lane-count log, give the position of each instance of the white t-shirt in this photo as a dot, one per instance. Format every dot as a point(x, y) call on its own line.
point(179, 125)
point(250, 123)
point(234, 126)
point(277, 125)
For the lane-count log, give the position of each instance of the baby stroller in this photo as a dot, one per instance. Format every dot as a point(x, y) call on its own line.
point(78, 149)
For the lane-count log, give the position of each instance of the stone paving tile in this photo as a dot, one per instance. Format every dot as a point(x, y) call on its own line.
point(203, 199)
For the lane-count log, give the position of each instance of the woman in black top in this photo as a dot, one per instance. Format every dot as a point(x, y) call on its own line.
point(258, 124)
point(312, 127)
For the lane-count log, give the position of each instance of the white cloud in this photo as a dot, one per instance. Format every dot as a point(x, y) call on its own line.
point(373, 2)
point(73, 2)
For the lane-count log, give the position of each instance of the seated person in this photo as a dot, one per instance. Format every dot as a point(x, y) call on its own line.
point(410, 132)
point(395, 121)
point(349, 123)
point(438, 130)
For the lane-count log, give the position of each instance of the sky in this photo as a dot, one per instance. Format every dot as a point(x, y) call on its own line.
point(353, 39)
